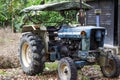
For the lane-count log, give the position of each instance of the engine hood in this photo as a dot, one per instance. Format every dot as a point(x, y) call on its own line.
point(74, 32)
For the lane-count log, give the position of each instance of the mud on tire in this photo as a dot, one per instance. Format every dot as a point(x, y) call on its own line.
point(113, 68)
point(31, 54)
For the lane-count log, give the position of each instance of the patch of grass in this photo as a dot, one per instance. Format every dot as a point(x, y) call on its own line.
point(97, 67)
point(1, 40)
point(51, 66)
point(2, 72)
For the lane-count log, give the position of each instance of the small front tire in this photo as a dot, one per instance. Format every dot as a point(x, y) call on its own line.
point(67, 69)
point(112, 68)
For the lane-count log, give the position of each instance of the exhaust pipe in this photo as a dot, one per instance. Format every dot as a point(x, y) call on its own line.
point(98, 12)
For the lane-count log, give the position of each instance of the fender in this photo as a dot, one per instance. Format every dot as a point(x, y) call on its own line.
point(104, 56)
point(114, 49)
point(32, 28)
point(38, 30)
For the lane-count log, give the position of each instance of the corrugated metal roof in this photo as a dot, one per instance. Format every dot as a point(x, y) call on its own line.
point(57, 7)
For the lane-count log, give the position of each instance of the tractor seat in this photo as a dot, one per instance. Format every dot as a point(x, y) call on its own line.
point(51, 29)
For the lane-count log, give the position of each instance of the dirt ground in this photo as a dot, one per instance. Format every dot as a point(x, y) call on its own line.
point(10, 67)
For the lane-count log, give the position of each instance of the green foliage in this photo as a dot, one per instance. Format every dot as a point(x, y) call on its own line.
point(47, 18)
point(51, 1)
point(9, 9)
point(10, 13)
point(3, 16)
point(33, 2)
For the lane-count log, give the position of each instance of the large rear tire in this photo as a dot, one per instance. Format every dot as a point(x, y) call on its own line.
point(112, 69)
point(67, 69)
point(31, 54)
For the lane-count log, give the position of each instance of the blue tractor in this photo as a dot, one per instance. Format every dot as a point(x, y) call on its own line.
point(73, 45)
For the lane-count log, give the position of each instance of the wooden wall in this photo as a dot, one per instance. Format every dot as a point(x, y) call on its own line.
point(119, 22)
point(106, 17)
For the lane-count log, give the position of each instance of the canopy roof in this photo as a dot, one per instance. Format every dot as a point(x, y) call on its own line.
point(60, 6)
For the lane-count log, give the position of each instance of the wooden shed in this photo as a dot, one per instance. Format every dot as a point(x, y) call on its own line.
point(109, 18)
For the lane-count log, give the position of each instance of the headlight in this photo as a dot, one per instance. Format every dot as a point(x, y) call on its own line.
point(83, 33)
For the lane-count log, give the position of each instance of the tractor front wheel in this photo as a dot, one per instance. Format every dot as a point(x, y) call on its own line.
point(67, 69)
point(112, 68)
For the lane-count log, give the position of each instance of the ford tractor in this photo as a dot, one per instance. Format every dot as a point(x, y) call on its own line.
point(73, 44)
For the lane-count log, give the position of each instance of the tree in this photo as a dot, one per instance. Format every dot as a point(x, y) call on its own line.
point(10, 9)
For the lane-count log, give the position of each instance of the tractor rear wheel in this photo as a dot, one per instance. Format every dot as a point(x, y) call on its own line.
point(112, 68)
point(31, 53)
point(67, 69)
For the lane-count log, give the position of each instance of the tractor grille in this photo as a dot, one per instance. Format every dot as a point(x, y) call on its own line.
point(94, 44)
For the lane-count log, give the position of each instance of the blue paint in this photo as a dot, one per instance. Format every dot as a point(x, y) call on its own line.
point(75, 32)
point(98, 21)
point(80, 64)
point(83, 55)
point(53, 56)
point(69, 32)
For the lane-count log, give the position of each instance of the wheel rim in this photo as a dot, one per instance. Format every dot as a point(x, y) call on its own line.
point(65, 72)
point(26, 55)
point(110, 68)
